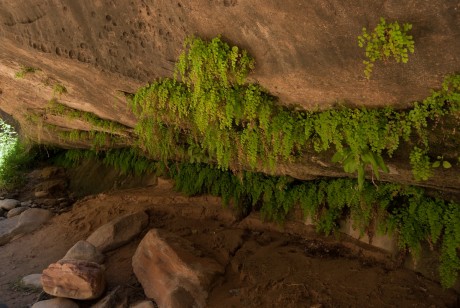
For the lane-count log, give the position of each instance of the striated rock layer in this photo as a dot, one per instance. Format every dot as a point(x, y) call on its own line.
point(306, 53)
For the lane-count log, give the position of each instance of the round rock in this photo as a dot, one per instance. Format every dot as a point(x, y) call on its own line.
point(32, 281)
point(8, 204)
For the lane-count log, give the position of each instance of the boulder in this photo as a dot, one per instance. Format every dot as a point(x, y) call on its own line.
point(84, 251)
point(31, 219)
point(172, 271)
point(74, 279)
point(56, 303)
point(26, 222)
point(32, 281)
point(119, 231)
point(8, 204)
point(16, 211)
point(7, 229)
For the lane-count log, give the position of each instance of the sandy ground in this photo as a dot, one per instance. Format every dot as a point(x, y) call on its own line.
point(263, 268)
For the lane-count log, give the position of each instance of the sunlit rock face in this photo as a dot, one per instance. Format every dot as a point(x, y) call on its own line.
point(101, 53)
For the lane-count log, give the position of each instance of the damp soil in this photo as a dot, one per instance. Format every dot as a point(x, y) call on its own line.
point(264, 267)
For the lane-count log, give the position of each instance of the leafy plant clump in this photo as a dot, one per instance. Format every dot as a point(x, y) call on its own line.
point(56, 108)
point(24, 71)
point(18, 160)
point(385, 42)
point(391, 208)
point(209, 113)
point(102, 133)
point(59, 89)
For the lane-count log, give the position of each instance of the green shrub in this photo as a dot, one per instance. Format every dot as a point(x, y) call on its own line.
point(24, 71)
point(385, 42)
point(209, 113)
point(18, 160)
point(59, 89)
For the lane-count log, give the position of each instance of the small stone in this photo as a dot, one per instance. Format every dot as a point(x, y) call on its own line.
point(58, 302)
point(32, 219)
point(74, 279)
point(26, 203)
point(16, 211)
point(32, 281)
point(84, 251)
point(119, 231)
point(41, 194)
point(8, 204)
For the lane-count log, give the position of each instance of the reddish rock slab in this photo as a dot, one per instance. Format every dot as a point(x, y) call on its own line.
point(74, 279)
point(172, 271)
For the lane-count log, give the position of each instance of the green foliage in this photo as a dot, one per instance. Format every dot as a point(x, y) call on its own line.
point(353, 162)
point(99, 140)
point(421, 165)
point(15, 157)
point(441, 162)
point(18, 159)
point(208, 113)
point(450, 262)
point(56, 108)
point(129, 161)
point(73, 157)
point(24, 71)
point(389, 208)
point(8, 138)
point(59, 89)
point(385, 42)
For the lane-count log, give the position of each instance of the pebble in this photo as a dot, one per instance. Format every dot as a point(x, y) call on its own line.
point(26, 203)
point(32, 280)
point(41, 194)
point(9, 204)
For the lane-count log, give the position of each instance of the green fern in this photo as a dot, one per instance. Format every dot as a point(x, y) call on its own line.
point(385, 42)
